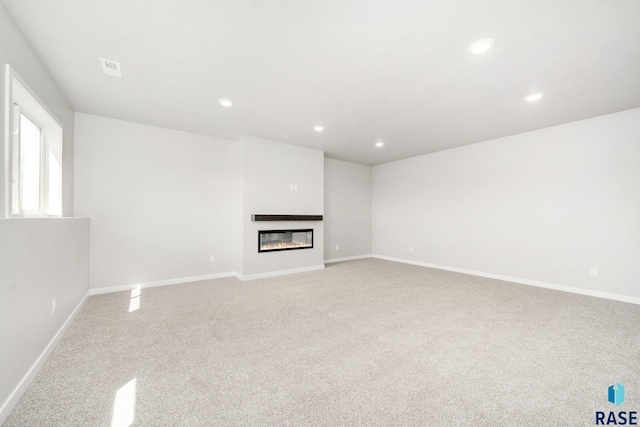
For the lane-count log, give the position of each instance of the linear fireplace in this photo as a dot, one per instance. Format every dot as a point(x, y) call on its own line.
point(284, 240)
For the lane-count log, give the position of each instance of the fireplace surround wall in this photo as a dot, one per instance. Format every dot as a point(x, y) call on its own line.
point(269, 170)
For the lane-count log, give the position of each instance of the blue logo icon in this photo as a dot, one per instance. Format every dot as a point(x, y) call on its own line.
point(616, 394)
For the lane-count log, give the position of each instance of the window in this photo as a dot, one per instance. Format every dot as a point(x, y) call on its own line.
point(35, 153)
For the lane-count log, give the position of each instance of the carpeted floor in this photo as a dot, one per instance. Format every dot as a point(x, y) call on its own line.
point(366, 342)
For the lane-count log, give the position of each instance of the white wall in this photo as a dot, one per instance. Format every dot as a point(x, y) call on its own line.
point(268, 169)
point(347, 208)
point(544, 205)
point(40, 259)
point(160, 201)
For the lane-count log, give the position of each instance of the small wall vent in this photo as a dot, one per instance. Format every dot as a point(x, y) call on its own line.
point(111, 68)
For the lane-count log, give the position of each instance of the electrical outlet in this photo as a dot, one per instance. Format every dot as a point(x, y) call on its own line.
point(593, 271)
point(53, 306)
point(337, 247)
point(212, 258)
point(410, 248)
point(293, 187)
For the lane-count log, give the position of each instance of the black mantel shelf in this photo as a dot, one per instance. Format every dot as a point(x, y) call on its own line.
point(265, 217)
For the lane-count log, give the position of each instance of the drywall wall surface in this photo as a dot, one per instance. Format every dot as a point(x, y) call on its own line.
point(15, 51)
point(40, 259)
point(545, 205)
point(269, 170)
point(160, 201)
point(347, 208)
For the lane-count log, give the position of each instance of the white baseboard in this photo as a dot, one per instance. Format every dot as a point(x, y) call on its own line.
point(108, 290)
point(563, 288)
point(280, 272)
point(17, 393)
point(347, 258)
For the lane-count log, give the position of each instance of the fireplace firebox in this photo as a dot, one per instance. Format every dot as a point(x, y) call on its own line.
point(284, 240)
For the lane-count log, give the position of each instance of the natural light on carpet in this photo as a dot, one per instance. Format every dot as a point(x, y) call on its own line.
point(134, 303)
point(124, 407)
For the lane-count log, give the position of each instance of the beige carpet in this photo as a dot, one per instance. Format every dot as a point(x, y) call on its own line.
point(367, 342)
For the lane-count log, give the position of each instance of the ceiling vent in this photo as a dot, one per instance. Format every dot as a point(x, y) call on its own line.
point(111, 68)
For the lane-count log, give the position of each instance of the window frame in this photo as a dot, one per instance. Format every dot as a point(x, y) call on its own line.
point(13, 110)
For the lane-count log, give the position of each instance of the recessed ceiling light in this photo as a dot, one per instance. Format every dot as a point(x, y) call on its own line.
point(318, 128)
point(379, 144)
point(225, 102)
point(481, 46)
point(534, 96)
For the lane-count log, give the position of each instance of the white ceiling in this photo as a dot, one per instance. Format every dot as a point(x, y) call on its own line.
point(397, 70)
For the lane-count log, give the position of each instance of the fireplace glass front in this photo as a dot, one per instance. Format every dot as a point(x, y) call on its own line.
point(284, 240)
